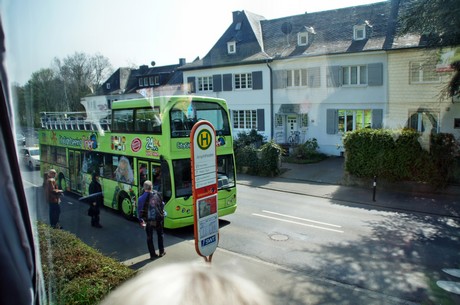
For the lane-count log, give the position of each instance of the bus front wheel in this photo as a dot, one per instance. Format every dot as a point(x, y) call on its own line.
point(125, 206)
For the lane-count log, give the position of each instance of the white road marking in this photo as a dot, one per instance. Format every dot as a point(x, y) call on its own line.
point(303, 219)
point(298, 223)
point(30, 183)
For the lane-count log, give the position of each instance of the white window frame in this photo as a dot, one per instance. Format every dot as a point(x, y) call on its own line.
point(422, 117)
point(242, 81)
point(359, 32)
point(302, 38)
point(355, 75)
point(107, 86)
point(141, 82)
point(278, 120)
point(205, 83)
point(424, 70)
point(231, 47)
point(146, 81)
point(244, 119)
point(296, 78)
point(156, 80)
point(353, 114)
point(151, 80)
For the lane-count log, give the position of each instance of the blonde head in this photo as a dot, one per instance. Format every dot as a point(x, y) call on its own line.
point(193, 284)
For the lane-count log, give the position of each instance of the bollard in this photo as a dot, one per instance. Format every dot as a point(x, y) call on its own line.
point(374, 187)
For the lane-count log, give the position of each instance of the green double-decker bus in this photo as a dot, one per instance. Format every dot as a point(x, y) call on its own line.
point(138, 140)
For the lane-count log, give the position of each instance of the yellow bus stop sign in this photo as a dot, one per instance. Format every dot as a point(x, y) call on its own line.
point(204, 188)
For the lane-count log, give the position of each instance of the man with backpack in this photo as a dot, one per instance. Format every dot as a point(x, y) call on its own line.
point(151, 216)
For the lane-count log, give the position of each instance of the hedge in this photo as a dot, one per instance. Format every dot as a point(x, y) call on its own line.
point(401, 155)
point(75, 273)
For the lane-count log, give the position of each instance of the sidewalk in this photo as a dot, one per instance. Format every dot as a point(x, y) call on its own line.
point(327, 179)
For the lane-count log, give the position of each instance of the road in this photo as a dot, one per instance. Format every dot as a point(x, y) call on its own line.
point(301, 249)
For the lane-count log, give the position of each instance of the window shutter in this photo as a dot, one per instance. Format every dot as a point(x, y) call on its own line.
point(191, 83)
point(260, 120)
point(331, 121)
point(375, 74)
point(314, 77)
point(257, 80)
point(377, 118)
point(304, 80)
point(217, 83)
point(227, 82)
point(279, 79)
point(333, 74)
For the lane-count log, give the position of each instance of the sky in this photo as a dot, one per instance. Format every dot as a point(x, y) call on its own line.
point(129, 33)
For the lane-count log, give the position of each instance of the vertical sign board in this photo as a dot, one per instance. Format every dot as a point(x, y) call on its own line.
point(204, 188)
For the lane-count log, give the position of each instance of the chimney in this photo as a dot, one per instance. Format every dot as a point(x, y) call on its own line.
point(182, 61)
point(237, 16)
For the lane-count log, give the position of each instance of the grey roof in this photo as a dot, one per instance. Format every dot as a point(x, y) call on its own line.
point(126, 80)
point(330, 32)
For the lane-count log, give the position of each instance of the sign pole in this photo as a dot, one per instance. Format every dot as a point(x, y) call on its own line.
point(204, 189)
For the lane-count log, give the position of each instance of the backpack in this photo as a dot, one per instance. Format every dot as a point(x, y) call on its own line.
point(157, 200)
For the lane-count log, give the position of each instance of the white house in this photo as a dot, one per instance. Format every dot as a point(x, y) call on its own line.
point(314, 75)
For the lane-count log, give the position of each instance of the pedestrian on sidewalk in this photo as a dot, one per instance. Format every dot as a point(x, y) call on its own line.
point(97, 203)
point(53, 197)
point(151, 216)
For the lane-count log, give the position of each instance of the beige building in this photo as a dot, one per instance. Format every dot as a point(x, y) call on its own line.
point(416, 80)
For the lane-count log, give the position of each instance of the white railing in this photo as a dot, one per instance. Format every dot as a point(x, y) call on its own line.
point(74, 121)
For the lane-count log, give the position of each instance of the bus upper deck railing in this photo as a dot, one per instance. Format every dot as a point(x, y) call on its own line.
point(74, 121)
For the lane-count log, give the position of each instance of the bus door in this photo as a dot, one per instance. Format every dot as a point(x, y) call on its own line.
point(74, 171)
point(165, 179)
point(149, 171)
point(156, 176)
point(143, 174)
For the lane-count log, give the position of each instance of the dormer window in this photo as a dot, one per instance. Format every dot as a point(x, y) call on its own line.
point(359, 32)
point(231, 47)
point(304, 35)
point(302, 39)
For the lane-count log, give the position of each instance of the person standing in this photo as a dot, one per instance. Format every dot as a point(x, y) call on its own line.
point(53, 197)
point(97, 202)
point(151, 216)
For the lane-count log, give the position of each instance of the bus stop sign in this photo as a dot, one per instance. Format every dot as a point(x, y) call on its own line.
point(204, 188)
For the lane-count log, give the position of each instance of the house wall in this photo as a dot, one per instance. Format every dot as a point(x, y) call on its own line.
point(396, 97)
point(242, 99)
point(406, 97)
point(316, 101)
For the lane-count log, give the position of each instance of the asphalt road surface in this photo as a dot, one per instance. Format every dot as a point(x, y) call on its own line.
point(300, 249)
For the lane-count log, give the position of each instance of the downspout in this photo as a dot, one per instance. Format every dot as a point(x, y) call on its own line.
point(272, 124)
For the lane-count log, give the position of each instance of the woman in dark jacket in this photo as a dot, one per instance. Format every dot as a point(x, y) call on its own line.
point(98, 201)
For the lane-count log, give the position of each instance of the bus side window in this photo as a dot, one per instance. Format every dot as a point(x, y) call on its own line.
point(165, 180)
point(156, 177)
point(108, 170)
point(143, 173)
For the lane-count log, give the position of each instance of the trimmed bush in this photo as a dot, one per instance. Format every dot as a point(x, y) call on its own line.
point(308, 152)
point(270, 159)
point(75, 273)
point(247, 157)
point(244, 139)
point(265, 161)
point(397, 155)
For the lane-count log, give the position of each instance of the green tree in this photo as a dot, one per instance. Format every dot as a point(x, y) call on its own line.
point(41, 93)
point(439, 22)
point(60, 87)
point(80, 75)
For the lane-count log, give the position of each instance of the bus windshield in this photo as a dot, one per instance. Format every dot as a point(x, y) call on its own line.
point(183, 178)
point(184, 114)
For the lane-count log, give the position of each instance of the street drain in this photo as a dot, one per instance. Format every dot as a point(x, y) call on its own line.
point(279, 237)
